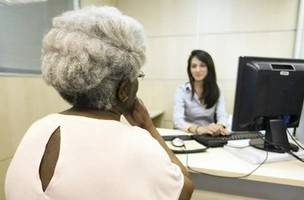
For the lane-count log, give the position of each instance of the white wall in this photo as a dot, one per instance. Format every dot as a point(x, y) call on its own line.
point(300, 54)
point(300, 129)
point(225, 28)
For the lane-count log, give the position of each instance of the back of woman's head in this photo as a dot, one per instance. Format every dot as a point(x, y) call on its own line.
point(211, 91)
point(88, 52)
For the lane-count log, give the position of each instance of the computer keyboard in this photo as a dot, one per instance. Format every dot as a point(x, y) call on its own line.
point(219, 141)
point(171, 137)
point(214, 141)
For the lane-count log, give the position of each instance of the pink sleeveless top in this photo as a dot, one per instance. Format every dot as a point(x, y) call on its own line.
point(98, 160)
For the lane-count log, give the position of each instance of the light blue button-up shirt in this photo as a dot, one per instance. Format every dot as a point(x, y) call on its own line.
point(188, 111)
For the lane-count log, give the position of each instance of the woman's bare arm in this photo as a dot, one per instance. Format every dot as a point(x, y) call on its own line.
point(139, 116)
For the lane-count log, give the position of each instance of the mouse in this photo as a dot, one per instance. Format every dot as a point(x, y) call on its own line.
point(177, 142)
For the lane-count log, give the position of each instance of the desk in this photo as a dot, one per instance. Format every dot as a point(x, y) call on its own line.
point(278, 180)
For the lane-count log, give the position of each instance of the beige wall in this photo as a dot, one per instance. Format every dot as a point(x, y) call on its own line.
point(23, 100)
point(225, 28)
point(84, 3)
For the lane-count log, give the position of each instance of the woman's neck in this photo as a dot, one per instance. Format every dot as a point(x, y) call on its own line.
point(198, 84)
point(198, 88)
point(93, 113)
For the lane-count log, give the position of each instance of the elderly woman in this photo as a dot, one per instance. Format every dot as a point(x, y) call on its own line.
point(92, 57)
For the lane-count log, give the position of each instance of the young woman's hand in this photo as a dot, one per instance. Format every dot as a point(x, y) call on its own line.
point(138, 115)
point(217, 129)
point(223, 130)
point(212, 129)
point(203, 130)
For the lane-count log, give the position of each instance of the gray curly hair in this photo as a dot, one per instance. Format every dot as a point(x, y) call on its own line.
point(89, 51)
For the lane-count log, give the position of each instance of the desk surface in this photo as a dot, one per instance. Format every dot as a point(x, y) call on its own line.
point(217, 161)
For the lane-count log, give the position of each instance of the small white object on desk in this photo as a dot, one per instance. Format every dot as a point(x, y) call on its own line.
point(238, 143)
point(177, 142)
point(242, 150)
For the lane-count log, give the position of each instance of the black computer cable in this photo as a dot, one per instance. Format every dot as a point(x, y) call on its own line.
point(236, 177)
point(294, 131)
point(294, 139)
point(283, 148)
point(298, 144)
point(250, 173)
point(295, 156)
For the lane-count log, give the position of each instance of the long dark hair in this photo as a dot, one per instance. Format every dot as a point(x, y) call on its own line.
point(211, 90)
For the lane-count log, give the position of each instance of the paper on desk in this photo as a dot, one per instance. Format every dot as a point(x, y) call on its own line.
point(164, 131)
point(256, 156)
point(238, 143)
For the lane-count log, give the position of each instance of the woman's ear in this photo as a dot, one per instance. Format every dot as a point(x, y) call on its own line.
point(123, 91)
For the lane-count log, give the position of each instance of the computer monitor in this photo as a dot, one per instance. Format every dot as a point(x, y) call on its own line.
point(269, 96)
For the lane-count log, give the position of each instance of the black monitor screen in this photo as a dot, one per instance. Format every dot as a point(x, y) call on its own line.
point(269, 96)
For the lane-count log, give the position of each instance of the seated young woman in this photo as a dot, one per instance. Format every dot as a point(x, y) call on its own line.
point(199, 105)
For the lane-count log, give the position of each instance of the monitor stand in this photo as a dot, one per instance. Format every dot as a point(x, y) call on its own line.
point(276, 139)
